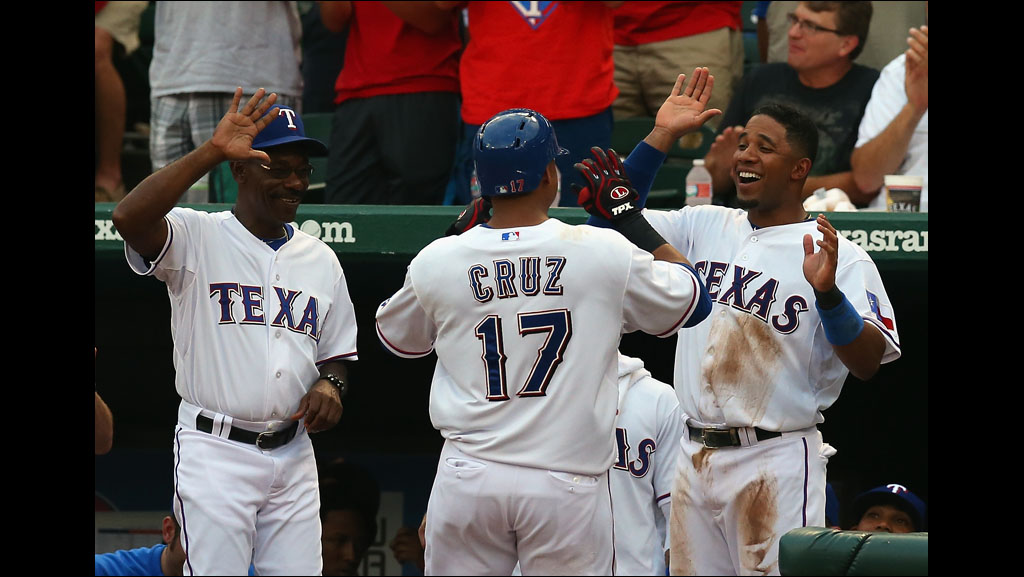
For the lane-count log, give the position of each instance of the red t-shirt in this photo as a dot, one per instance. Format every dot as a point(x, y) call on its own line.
point(385, 55)
point(645, 22)
point(557, 61)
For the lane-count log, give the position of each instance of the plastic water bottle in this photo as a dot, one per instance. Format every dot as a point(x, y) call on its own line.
point(698, 184)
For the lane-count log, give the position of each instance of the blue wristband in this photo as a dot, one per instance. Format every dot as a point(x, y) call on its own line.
point(842, 323)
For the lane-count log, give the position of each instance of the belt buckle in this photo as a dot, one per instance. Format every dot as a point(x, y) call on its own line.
point(733, 437)
point(259, 438)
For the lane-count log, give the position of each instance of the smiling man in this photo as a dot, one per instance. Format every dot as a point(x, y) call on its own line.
point(783, 334)
point(821, 81)
point(262, 321)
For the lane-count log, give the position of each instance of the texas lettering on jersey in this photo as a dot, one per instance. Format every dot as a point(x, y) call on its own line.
point(501, 279)
point(225, 293)
point(747, 292)
point(642, 464)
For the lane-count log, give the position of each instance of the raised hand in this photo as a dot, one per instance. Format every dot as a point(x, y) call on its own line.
point(916, 79)
point(820, 267)
point(235, 131)
point(720, 154)
point(685, 110)
point(608, 194)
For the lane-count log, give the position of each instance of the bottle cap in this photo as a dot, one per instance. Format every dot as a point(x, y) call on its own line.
point(698, 162)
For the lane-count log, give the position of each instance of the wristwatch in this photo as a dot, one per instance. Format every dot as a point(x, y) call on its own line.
point(335, 380)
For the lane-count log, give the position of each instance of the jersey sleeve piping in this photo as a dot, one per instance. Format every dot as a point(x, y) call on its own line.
point(397, 351)
point(689, 309)
point(136, 264)
point(353, 356)
point(888, 335)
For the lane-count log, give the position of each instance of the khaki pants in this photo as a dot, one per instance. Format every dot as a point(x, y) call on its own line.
point(645, 74)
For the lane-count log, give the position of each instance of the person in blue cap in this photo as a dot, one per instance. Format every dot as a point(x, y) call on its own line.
point(262, 324)
point(890, 508)
point(167, 558)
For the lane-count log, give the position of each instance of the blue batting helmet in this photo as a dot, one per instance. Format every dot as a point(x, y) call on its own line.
point(512, 151)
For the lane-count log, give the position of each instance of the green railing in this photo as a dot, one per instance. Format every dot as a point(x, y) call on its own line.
point(376, 232)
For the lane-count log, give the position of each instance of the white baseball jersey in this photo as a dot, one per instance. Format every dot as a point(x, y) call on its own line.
point(249, 324)
point(647, 441)
point(761, 359)
point(526, 325)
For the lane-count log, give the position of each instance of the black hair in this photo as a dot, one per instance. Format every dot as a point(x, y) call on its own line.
point(348, 487)
point(801, 133)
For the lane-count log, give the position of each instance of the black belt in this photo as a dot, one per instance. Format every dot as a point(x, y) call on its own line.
point(716, 438)
point(264, 440)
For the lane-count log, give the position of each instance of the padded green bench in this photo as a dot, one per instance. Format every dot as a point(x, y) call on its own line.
point(822, 551)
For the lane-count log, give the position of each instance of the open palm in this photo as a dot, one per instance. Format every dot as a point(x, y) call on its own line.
point(235, 132)
point(685, 110)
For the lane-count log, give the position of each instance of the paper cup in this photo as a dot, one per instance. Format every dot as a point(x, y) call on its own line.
point(903, 193)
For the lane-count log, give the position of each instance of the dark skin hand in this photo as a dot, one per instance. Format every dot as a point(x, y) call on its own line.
point(321, 407)
point(864, 355)
point(406, 547)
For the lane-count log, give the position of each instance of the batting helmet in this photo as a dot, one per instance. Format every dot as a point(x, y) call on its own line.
point(512, 151)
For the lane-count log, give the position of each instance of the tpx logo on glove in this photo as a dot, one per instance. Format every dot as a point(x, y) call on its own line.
point(617, 210)
point(619, 192)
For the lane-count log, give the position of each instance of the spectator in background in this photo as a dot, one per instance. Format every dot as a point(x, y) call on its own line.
point(821, 81)
point(555, 58)
point(167, 558)
point(655, 41)
point(201, 52)
point(104, 423)
point(349, 501)
point(117, 36)
point(323, 53)
point(889, 22)
point(890, 508)
point(893, 135)
point(395, 129)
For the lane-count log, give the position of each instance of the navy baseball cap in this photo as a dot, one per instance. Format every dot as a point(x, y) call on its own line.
point(896, 495)
point(286, 128)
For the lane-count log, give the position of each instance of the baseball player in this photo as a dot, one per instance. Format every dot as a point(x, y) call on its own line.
point(647, 431)
point(890, 508)
point(261, 321)
point(784, 334)
point(525, 313)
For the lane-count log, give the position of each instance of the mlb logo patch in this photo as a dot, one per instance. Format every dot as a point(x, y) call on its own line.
point(535, 13)
point(510, 235)
point(877, 308)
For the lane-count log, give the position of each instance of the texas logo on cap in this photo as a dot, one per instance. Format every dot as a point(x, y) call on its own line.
point(287, 128)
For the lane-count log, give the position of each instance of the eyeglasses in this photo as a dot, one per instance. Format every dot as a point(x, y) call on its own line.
point(807, 26)
point(283, 172)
